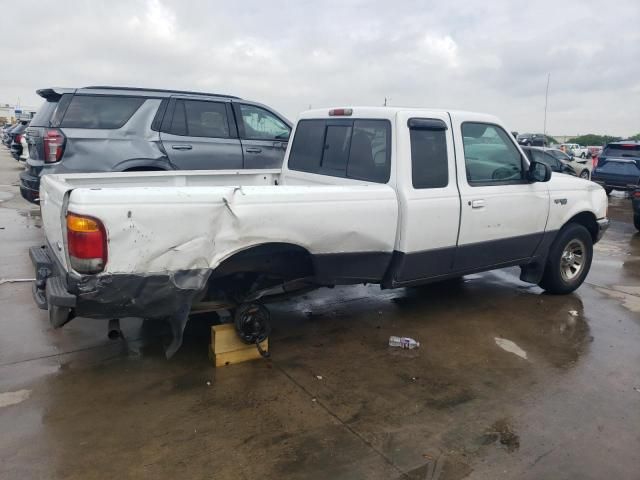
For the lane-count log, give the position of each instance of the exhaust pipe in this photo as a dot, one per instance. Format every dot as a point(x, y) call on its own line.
point(113, 330)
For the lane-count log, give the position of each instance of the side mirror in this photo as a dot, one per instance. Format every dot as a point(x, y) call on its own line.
point(539, 172)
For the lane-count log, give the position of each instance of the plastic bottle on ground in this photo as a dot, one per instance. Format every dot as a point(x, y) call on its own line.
point(403, 342)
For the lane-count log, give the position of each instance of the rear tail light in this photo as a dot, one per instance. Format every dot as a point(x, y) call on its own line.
point(53, 142)
point(87, 243)
point(18, 138)
point(636, 194)
point(595, 161)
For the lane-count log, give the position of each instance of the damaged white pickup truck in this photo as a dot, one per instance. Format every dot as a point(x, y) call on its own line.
point(391, 196)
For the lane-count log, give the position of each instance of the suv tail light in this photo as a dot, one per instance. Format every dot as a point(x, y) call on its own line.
point(18, 138)
point(87, 243)
point(595, 161)
point(53, 142)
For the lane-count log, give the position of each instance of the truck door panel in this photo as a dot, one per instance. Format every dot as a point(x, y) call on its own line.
point(503, 216)
point(430, 202)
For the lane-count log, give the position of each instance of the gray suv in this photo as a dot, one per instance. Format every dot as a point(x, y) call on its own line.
point(120, 129)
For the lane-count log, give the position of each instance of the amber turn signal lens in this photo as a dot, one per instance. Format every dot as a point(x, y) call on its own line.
point(76, 223)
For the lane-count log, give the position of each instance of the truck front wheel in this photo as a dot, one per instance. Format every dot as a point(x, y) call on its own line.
point(569, 260)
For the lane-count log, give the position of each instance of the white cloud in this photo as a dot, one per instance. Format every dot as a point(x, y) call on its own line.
point(475, 55)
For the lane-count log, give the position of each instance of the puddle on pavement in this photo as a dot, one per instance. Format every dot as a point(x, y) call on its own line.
point(4, 196)
point(35, 217)
point(628, 296)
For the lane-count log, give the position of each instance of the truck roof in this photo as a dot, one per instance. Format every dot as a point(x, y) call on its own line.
point(390, 112)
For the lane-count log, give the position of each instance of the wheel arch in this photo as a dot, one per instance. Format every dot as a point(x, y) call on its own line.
point(267, 257)
point(143, 164)
point(588, 220)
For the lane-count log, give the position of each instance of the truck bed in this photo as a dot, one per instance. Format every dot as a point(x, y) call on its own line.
point(204, 217)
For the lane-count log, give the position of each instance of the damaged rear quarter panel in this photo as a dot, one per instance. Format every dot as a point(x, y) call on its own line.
point(166, 229)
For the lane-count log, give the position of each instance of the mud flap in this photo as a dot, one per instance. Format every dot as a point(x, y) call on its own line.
point(177, 322)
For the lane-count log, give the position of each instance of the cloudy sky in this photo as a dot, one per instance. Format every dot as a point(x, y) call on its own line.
point(490, 55)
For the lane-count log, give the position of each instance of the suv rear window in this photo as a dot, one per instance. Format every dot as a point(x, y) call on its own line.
point(44, 114)
point(104, 112)
point(357, 149)
point(622, 150)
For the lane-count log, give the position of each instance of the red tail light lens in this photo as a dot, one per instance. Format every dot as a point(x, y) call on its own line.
point(53, 142)
point(87, 243)
point(636, 194)
point(18, 138)
point(595, 161)
point(340, 112)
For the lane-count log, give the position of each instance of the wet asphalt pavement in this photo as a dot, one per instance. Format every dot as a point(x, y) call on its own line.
point(506, 384)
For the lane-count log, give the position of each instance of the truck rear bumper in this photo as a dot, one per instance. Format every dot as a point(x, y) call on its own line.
point(49, 291)
point(67, 294)
point(30, 187)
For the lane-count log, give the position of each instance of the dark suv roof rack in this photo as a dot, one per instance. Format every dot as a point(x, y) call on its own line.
point(137, 89)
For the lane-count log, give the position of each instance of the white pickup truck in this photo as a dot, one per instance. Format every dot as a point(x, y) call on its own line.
point(392, 196)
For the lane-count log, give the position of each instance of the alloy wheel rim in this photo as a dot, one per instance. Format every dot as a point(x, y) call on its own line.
point(572, 260)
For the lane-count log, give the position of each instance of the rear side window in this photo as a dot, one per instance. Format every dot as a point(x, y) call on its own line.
point(622, 150)
point(357, 149)
point(429, 162)
point(205, 119)
point(103, 112)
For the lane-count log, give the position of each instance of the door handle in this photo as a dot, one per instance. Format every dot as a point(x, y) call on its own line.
point(253, 150)
point(477, 203)
point(181, 147)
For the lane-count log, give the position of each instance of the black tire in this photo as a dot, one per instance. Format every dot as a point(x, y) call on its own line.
point(608, 190)
point(585, 174)
point(636, 221)
point(583, 155)
point(561, 275)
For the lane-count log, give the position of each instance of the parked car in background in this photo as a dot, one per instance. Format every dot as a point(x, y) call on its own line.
point(618, 166)
point(24, 156)
point(539, 154)
point(575, 149)
point(10, 134)
point(532, 140)
point(121, 129)
point(635, 203)
point(5, 131)
point(6, 134)
point(581, 166)
point(594, 150)
point(17, 135)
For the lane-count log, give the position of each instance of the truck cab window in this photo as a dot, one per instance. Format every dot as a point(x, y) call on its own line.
point(357, 149)
point(490, 156)
point(429, 162)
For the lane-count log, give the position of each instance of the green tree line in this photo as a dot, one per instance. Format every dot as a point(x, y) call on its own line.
point(593, 139)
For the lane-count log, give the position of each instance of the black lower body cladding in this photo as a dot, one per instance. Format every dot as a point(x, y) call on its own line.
point(146, 296)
